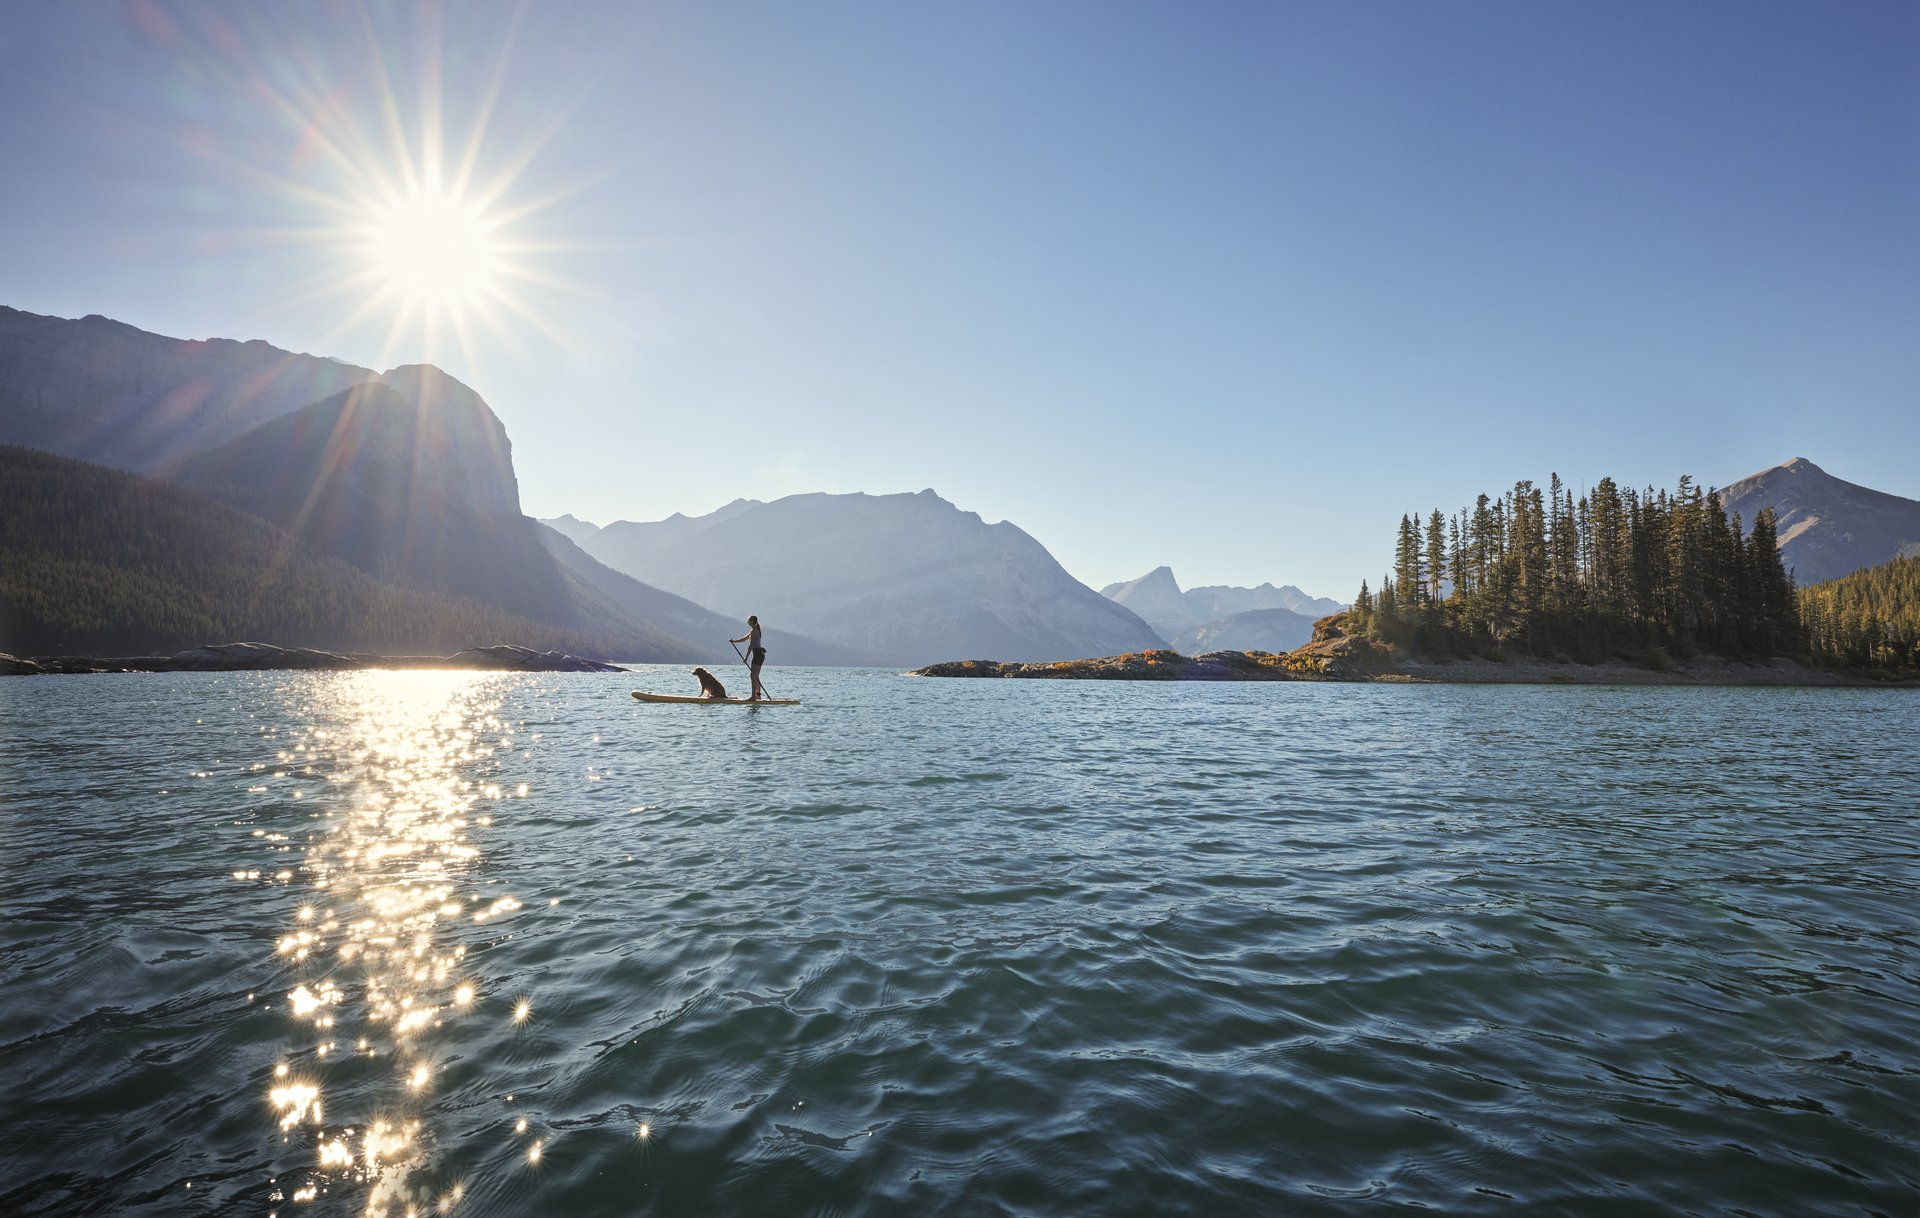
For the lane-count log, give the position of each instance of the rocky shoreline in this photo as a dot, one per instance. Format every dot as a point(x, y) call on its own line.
point(1333, 655)
point(1264, 666)
point(265, 657)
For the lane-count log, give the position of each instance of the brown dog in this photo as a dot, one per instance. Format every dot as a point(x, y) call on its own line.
point(710, 686)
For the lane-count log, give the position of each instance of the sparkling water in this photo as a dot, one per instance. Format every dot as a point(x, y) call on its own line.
point(505, 944)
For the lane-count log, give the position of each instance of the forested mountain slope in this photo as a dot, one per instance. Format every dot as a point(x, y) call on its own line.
point(1869, 618)
point(98, 561)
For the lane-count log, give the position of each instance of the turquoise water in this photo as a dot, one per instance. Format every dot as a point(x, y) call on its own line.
point(336, 944)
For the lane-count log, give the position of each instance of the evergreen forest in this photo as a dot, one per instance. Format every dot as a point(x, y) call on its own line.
point(1615, 574)
point(1869, 619)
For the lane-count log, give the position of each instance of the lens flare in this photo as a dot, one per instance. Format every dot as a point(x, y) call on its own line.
point(410, 198)
point(433, 249)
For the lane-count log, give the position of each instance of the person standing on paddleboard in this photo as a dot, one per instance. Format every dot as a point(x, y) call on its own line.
point(756, 655)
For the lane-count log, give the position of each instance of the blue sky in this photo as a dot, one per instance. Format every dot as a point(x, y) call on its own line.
point(1228, 287)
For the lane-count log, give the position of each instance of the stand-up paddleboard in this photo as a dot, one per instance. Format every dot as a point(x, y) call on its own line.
point(647, 697)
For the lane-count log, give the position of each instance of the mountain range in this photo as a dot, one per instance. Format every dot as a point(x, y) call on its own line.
point(311, 502)
point(1221, 618)
point(382, 509)
point(103, 391)
point(381, 514)
point(909, 576)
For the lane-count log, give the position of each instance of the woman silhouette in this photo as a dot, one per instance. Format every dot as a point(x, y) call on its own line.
point(756, 655)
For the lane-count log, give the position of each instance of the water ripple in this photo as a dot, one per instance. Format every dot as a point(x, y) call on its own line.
point(955, 948)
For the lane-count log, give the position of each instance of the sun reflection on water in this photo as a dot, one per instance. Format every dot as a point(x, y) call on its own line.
point(376, 949)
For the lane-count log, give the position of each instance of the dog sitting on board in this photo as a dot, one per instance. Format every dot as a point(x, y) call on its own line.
point(710, 686)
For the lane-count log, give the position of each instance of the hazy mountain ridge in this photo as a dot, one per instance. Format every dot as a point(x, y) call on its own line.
point(570, 527)
point(706, 630)
point(630, 545)
point(1828, 527)
point(1216, 616)
point(1274, 630)
point(906, 576)
point(103, 391)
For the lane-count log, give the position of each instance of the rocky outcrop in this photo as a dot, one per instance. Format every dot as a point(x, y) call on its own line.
point(1135, 666)
point(1332, 655)
point(1337, 655)
point(521, 659)
point(264, 657)
point(241, 657)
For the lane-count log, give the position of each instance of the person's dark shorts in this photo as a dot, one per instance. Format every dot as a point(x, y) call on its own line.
point(759, 656)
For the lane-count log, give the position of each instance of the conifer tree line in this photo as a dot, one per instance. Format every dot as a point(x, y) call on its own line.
point(1609, 573)
point(1869, 619)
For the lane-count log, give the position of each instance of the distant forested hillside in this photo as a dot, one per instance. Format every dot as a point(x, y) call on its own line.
point(1869, 619)
point(1610, 574)
point(97, 561)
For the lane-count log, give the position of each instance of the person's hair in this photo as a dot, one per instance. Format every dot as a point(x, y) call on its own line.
point(752, 620)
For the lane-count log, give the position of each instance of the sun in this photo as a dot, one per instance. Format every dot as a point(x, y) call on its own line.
point(431, 231)
point(434, 250)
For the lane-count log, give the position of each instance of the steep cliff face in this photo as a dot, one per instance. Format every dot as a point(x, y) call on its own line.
point(1827, 527)
point(458, 443)
point(413, 487)
point(908, 577)
point(102, 391)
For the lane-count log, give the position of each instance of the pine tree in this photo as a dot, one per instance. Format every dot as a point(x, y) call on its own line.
point(1606, 573)
point(1436, 556)
point(1409, 574)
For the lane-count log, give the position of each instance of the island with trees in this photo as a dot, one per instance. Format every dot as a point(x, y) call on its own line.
point(1541, 584)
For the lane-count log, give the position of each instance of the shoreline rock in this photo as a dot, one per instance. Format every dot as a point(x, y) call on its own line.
point(265, 657)
point(1334, 655)
point(1264, 666)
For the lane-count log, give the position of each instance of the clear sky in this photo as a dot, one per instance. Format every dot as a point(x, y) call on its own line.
point(1223, 286)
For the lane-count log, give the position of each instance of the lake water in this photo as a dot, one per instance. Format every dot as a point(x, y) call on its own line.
point(348, 943)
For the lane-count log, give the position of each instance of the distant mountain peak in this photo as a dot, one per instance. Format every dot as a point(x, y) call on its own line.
point(1827, 526)
point(1157, 597)
point(905, 575)
point(571, 527)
